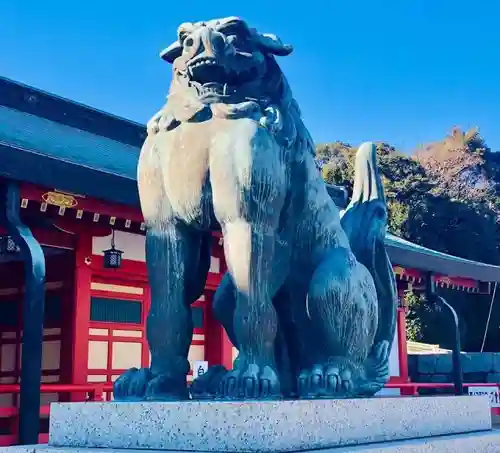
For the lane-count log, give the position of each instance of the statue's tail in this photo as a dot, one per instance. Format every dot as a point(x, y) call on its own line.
point(365, 223)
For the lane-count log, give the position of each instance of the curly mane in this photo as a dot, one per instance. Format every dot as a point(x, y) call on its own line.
point(273, 106)
point(291, 131)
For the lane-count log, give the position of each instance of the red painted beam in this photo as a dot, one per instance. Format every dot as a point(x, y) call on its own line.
point(455, 281)
point(40, 194)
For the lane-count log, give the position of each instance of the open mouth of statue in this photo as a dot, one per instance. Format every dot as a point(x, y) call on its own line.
point(206, 70)
point(209, 70)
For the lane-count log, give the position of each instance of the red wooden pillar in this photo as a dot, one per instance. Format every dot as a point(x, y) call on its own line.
point(66, 357)
point(402, 345)
point(81, 311)
point(226, 351)
point(219, 349)
point(226, 358)
point(401, 332)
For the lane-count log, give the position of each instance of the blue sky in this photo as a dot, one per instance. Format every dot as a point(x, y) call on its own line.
point(397, 70)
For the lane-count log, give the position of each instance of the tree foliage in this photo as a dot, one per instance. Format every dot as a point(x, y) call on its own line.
point(417, 316)
point(445, 196)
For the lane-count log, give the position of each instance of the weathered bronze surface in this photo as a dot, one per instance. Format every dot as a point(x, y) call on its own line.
point(309, 298)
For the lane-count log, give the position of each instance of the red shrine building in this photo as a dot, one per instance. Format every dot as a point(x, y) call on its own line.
point(74, 292)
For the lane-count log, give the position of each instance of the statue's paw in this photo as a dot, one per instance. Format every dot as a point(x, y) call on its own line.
point(153, 125)
point(131, 385)
point(165, 387)
point(161, 121)
point(251, 382)
point(140, 385)
point(208, 384)
point(326, 382)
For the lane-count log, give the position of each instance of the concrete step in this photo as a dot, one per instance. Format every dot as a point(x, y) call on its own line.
point(484, 442)
point(375, 425)
point(263, 427)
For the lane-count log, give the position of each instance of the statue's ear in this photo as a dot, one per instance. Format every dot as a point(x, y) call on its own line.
point(172, 52)
point(272, 44)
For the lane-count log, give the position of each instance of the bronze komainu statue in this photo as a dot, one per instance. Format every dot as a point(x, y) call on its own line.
point(308, 299)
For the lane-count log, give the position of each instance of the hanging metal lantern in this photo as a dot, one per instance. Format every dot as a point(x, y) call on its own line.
point(112, 256)
point(8, 245)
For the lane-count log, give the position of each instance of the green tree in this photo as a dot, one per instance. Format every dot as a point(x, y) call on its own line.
point(446, 197)
point(416, 316)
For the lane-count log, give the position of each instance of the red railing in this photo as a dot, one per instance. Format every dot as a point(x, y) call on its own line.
point(412, 388)
point(9, 416)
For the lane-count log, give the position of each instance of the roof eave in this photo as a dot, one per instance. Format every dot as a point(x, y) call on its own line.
point(442, 264)
point(28, 166)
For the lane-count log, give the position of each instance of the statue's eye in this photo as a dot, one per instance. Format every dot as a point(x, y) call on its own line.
point(182, 36)
point(235, 40)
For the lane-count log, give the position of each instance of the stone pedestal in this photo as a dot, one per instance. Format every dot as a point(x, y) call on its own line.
point(369, 425)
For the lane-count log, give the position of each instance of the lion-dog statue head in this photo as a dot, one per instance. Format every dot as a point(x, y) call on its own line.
point(224, 68)
point(223, 53)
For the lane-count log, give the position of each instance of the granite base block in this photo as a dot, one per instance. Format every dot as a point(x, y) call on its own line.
point(281, 426)
point(483, 442)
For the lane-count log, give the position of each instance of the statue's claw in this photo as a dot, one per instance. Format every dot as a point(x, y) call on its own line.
point(131, 385)
point(325, 381)
point(141, 385)
point(166, 388)
point(251, 382)
point(207, 385)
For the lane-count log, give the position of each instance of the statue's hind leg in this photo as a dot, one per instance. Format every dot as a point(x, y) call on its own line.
point(341, 320)
point(223, 306)
point(207, 386)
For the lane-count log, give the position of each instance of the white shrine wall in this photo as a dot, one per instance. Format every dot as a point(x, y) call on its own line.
point(108, 353)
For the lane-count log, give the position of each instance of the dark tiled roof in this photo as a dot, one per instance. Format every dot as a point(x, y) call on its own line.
point(30, 132)
point(406, 253)
point(64, 111)
point(48, 140)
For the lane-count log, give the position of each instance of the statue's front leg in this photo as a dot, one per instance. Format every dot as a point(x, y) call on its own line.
point(177, 275)
point(178, 258)
point(172, 259)
point(249, 188)
point(249, 254)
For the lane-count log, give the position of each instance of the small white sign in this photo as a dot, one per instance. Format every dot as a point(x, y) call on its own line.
point(199, 367)
point(492, 392)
